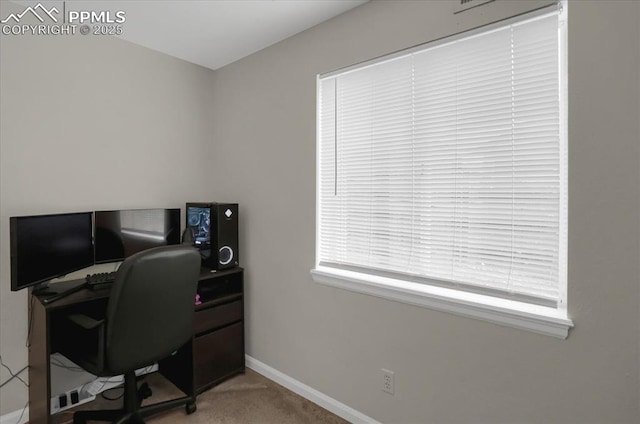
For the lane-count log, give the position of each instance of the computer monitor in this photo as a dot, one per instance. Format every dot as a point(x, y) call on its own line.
point(121, 233)
point(44, 247)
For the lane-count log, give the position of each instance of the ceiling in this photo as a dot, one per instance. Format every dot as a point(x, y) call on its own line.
point(211, 33)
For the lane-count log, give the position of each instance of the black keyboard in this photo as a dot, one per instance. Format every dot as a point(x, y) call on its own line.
point(100, 278)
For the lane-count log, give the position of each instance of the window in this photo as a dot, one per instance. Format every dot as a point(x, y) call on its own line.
point(442, 175)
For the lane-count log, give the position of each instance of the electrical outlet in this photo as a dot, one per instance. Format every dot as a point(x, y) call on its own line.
point(388, 381)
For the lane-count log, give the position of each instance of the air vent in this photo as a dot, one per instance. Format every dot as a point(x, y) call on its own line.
point(462, 5)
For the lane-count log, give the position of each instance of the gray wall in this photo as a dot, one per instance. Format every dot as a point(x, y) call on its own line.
point(448, 368)
point(90, 123)
point(69, 108)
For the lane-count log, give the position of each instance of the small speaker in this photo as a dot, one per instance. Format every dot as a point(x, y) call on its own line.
point(215, 230)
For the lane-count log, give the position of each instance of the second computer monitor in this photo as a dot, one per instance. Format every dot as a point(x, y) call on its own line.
point(121, 233)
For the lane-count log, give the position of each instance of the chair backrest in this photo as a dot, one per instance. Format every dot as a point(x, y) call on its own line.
point(151, 307)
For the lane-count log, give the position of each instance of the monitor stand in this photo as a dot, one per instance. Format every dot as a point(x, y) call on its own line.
point(43, 289)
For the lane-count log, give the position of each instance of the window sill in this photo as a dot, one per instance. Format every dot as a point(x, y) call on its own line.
point(538, 319)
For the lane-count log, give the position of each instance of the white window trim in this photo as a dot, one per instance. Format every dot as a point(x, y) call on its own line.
point(538, 319)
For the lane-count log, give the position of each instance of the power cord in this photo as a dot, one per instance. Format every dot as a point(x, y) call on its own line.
point(103, 394)
point(56, 362)
point(139, 379)
point(24, 409)
point(30, 322)
point(13, 376)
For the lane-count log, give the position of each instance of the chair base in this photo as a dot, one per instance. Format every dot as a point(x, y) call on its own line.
point(132, 412)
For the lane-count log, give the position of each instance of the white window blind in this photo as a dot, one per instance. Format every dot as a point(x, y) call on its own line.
point(447, 165)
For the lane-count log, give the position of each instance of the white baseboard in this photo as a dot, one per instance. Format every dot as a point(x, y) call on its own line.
point(14, 417)
point(328, 403)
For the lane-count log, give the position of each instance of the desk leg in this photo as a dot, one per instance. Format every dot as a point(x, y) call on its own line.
point(39, 373)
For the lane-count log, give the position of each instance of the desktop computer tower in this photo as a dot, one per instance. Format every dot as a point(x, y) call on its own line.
point(214, 227)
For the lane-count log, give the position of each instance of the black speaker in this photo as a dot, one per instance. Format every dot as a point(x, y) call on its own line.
point(215, 232)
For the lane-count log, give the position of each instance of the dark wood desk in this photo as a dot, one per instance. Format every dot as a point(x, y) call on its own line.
point(215, 353)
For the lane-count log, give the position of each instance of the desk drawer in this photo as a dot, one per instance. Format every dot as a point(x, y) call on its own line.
point(218, 355)
point(217, 316)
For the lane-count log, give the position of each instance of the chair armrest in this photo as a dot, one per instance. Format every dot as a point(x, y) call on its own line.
point(85, 321)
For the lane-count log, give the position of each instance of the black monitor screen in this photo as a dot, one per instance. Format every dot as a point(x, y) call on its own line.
point(120, 234)
point(199, 222)
point(49, 246)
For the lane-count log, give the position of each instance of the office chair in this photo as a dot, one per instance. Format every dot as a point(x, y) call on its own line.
point(149, 315)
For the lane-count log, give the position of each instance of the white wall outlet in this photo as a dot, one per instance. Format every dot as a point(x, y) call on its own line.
point(388, 381)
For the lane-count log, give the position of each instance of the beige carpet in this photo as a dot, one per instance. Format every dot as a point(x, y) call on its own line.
point(244, 399)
